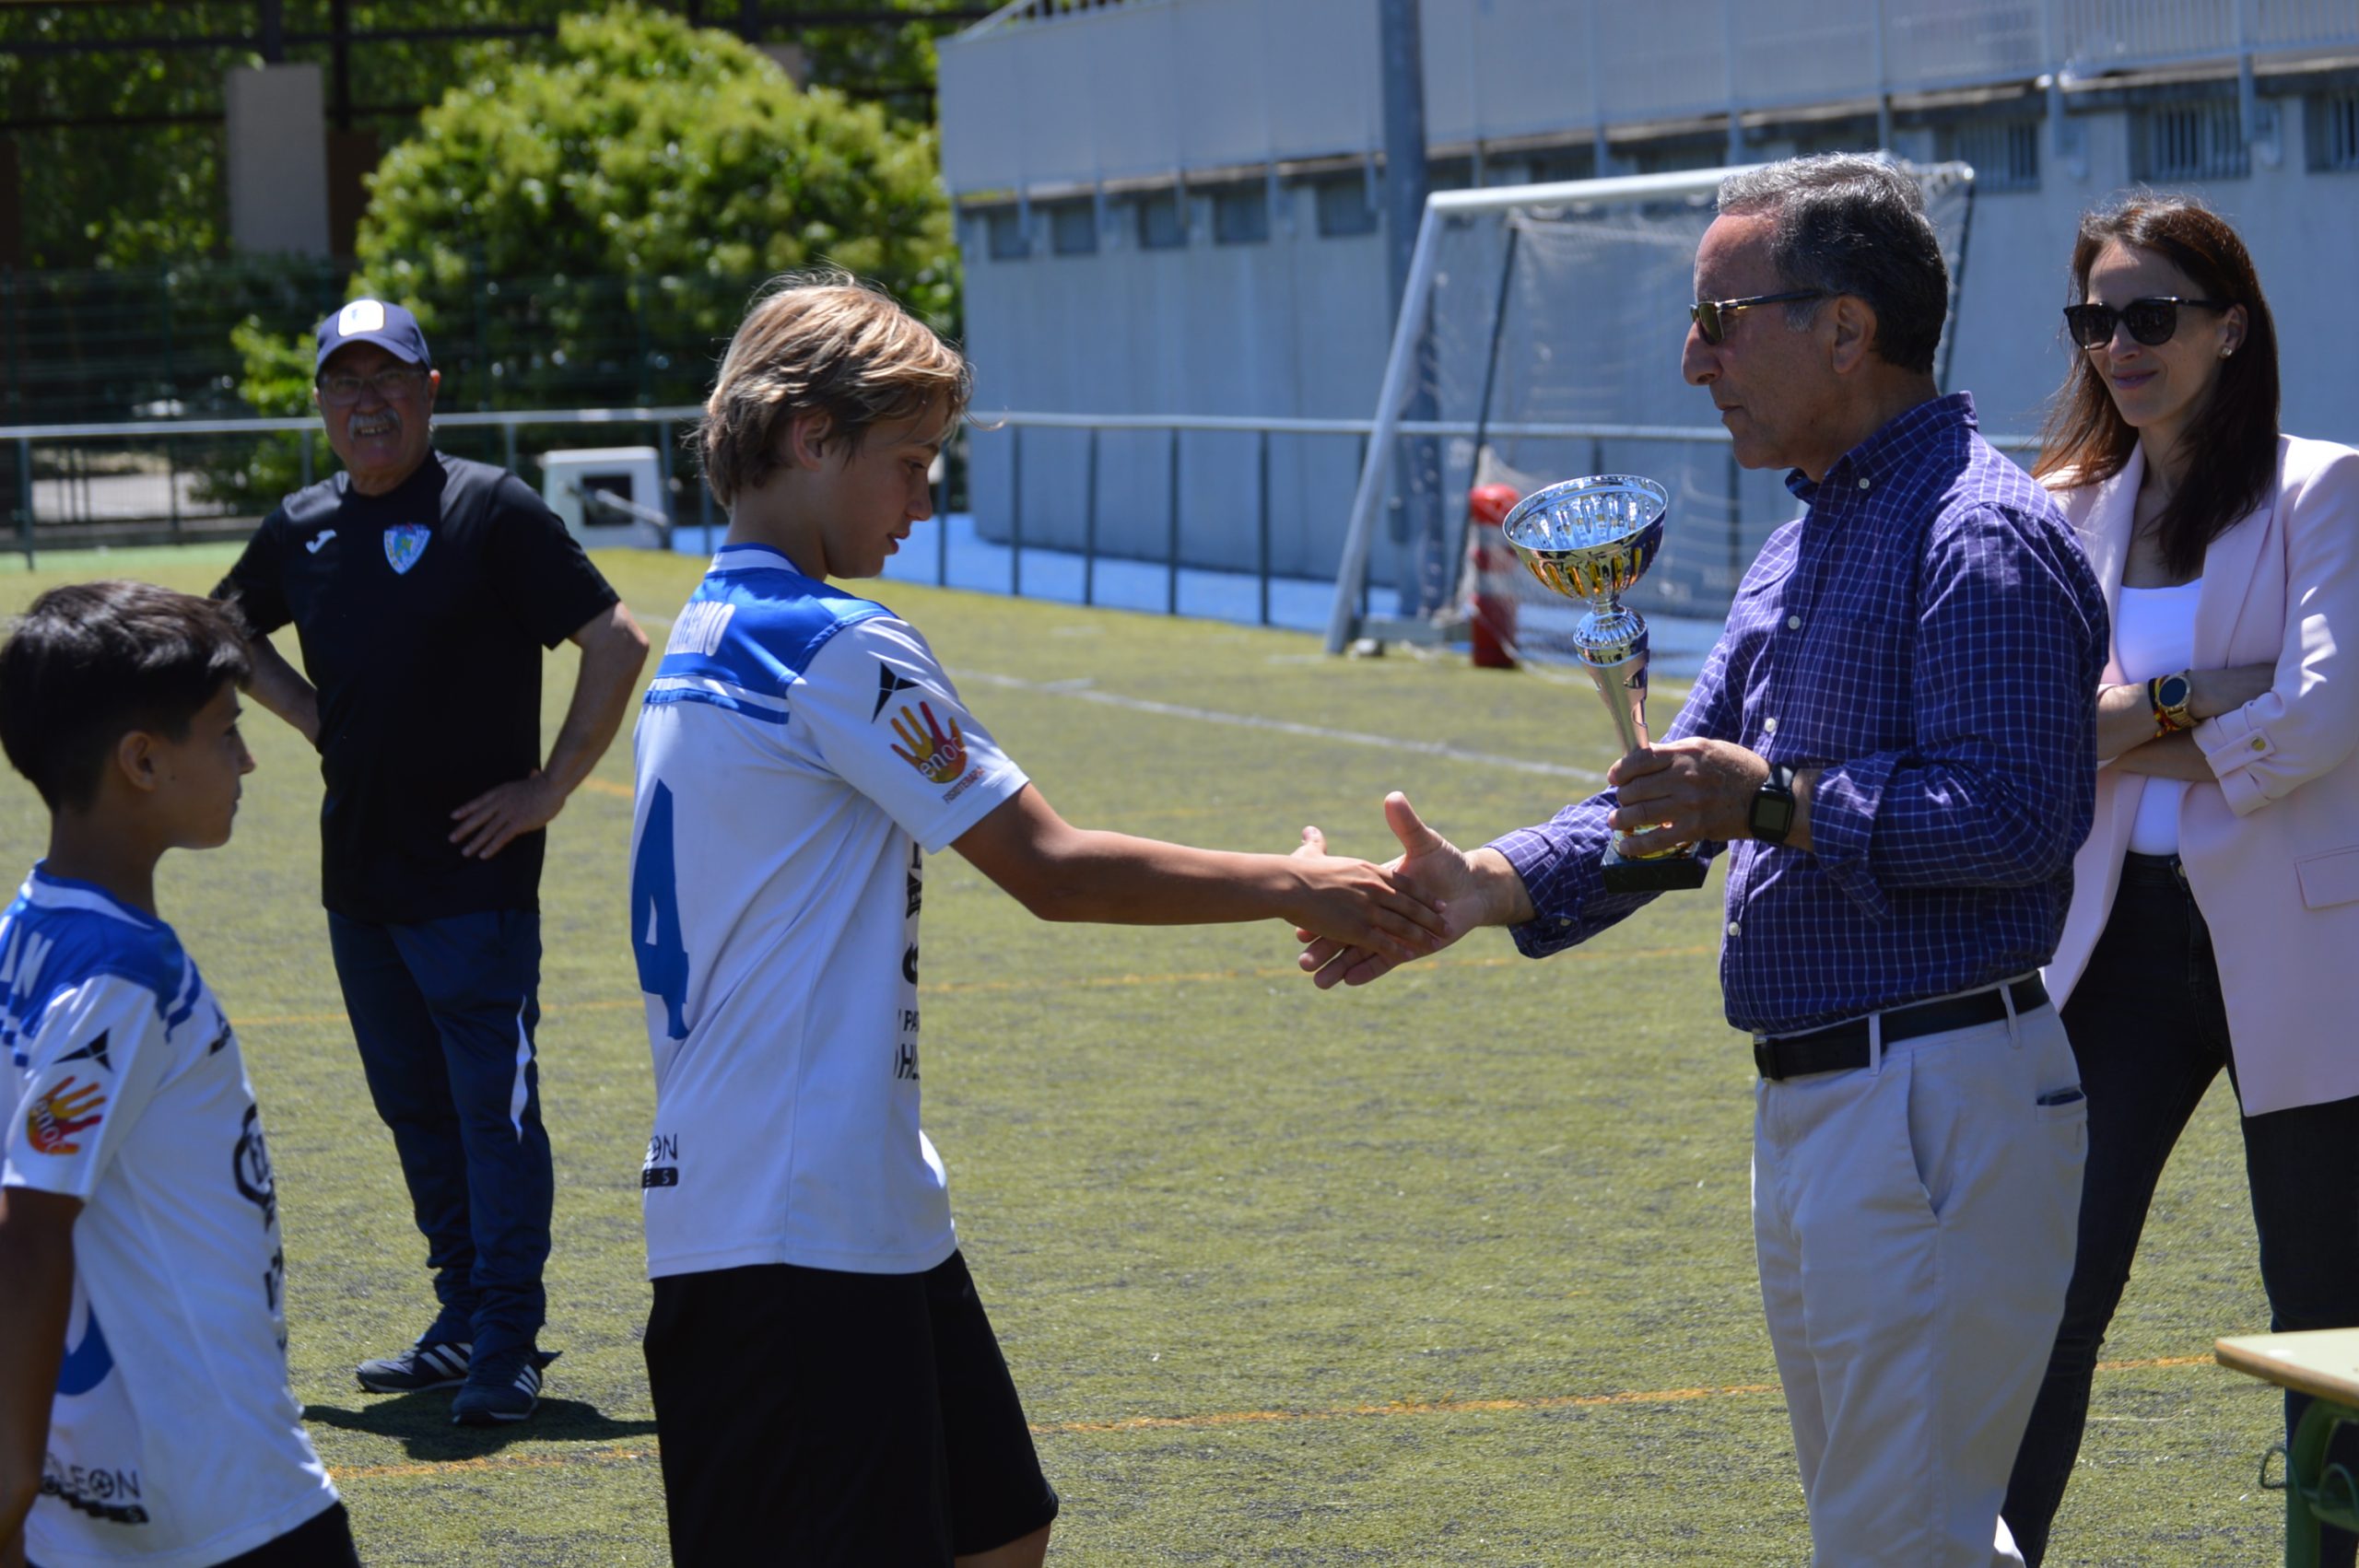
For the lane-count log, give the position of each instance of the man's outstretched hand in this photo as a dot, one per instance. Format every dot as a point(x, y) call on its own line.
point(1431, 868)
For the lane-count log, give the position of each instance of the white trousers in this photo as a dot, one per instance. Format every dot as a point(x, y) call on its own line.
point(1915, 1221)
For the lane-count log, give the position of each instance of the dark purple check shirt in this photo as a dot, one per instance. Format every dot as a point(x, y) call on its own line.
point(1929, 634)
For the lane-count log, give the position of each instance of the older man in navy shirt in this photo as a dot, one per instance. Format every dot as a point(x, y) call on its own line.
point(1893, 740)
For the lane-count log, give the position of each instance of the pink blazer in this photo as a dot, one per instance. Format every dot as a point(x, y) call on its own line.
point(2271, 849)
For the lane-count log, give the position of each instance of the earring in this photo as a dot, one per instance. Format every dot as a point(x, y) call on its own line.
point(2225, 352)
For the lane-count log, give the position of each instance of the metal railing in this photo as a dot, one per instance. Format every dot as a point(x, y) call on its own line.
point(161, 437)
point(1151, 564)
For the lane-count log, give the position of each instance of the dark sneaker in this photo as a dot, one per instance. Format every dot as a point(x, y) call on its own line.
point(507, 1389)
point(422, 1366)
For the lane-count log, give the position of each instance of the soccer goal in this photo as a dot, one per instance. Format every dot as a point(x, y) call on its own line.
point(1538, 339)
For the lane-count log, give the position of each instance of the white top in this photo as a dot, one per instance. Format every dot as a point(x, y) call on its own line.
point(174, 1441)
point(2154, 633)
point(798, 751)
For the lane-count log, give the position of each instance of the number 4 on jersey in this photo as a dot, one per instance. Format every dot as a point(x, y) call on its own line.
point(655, 937)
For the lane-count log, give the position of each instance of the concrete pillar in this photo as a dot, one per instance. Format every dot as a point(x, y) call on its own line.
point(277, 161)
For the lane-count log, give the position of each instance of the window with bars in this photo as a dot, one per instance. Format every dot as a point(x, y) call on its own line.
point(2332, 119)
point(1073, 229)
point(2005, 153)
point(1241, 215)
point(2190, 141)
point(1343, 206)
point(1008, 240)
point(1163, 225)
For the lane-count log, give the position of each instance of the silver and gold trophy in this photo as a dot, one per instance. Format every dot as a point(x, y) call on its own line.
point(1593, 539)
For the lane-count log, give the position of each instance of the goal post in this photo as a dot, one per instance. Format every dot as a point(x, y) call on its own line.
point(1538, 331)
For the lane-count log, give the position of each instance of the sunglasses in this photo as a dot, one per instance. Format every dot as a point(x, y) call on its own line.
point(391, 383)
point(1712, 316)
point(2151, 322)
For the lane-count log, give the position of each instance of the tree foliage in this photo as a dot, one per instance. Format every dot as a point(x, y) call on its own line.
point(648, 149)
point(586, 229)
point(121, 152)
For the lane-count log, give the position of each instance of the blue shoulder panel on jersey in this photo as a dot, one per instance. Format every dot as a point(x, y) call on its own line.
point(62, 937)
point(750, 632)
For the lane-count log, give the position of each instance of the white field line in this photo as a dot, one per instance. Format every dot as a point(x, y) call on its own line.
point(1082, 692)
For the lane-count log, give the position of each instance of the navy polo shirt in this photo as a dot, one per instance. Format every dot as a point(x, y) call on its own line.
point(422, 616)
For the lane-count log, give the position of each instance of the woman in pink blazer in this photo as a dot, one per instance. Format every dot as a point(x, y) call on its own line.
point(2214, 920)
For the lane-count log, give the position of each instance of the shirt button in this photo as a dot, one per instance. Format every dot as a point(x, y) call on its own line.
point(1733, 927)
point(2258, 745)
point(1794, 623)
point(1864, 482)
point(1770, 726)
point(1565, 921)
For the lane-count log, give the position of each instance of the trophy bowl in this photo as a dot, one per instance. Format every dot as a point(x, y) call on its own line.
point(1593, 539)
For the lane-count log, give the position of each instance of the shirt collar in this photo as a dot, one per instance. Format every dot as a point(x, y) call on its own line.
point(1893, 448)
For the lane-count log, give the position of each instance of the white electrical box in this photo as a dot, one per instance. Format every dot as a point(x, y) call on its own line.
point(608, 496)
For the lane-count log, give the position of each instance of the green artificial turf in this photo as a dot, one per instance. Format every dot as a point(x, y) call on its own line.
point(1453, 1269)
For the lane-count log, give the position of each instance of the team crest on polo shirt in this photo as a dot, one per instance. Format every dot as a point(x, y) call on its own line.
point(404, 544)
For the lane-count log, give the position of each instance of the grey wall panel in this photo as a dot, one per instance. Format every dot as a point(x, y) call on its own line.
point(1225, 72)
point(1140, 105)
point(1067, 133)
point(981, 142)
point(1526, 67)
point(1805, 50)
point(1325, 79)
point(1669, 58)
point(1928, 42)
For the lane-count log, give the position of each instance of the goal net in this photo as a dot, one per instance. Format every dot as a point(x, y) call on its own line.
point(1539, 339)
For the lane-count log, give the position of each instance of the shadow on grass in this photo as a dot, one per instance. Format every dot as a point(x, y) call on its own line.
point(421, 1423)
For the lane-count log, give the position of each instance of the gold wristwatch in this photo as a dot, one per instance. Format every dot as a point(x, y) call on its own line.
point(2169, 695)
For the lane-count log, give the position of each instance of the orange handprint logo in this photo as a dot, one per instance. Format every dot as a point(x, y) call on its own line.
point(939, 756)
point(57, 1115)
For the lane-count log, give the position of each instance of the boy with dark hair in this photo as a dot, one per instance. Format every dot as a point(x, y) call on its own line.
point(145, 1414)
point(827, 1386)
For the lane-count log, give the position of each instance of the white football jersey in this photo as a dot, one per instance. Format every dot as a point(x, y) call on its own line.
point(174, 1441)
point(799, 751)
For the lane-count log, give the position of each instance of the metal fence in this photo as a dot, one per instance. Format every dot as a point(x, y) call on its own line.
point(1171, 560)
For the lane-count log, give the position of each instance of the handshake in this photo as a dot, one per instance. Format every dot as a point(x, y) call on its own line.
point(1359, 922)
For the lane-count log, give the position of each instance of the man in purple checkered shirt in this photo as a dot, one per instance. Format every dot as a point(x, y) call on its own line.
point(1894, 740)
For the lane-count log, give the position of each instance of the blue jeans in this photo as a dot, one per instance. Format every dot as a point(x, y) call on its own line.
point(2149, 1028)
point(444, 1011)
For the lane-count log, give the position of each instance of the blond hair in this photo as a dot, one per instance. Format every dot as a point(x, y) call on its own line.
point(830, 343)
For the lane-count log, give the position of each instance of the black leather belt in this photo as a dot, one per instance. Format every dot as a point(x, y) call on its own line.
point(1839, 1048)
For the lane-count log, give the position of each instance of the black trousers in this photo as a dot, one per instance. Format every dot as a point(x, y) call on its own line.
point(2151, 1034)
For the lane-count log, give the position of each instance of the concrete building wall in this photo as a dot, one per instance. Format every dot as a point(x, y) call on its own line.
point(1132, 104)
point(277, 161)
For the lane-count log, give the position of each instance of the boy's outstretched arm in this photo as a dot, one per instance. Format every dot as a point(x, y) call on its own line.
point(1063, 873)
point(36, 1295)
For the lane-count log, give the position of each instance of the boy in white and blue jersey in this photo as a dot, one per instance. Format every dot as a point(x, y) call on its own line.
point(144, 1413)
point(827, 1388)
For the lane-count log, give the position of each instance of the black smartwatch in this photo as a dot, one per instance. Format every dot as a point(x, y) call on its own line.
point(1773, 806)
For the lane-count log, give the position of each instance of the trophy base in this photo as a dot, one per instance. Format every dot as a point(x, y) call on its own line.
point(1663, 873)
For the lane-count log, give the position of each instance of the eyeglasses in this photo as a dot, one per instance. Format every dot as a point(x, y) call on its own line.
point(1710, 316)
point(392, 382)
point(2151, 322)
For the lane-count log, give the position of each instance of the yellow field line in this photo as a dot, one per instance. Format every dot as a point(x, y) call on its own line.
point(1204, 1422)
point(1087, 982)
